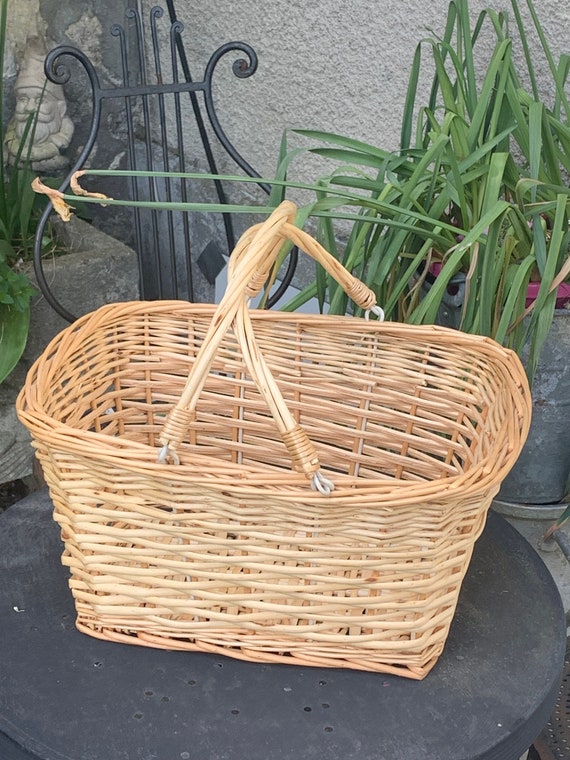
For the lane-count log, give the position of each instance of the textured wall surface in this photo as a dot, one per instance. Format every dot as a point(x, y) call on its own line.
point(339, 66)
point(329, 64)
point(332, 65)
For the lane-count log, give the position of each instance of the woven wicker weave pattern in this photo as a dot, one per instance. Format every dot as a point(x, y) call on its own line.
point(231, 550)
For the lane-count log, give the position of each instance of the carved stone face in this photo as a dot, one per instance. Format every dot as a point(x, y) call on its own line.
point(49, 110)
point(41, 103)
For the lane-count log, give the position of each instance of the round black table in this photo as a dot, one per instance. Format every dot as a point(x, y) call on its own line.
point(67, 696)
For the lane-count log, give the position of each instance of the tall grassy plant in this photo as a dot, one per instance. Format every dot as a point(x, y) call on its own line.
point(17, 202)
point(478, 186)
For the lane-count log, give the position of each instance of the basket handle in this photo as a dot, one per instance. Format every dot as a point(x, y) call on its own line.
point(248, 269)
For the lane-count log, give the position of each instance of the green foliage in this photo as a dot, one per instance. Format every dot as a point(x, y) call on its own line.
point(14, 325)
point(479, 186)
point(18, 212)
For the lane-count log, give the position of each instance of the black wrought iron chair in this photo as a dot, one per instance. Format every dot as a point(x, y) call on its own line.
point(162, 239)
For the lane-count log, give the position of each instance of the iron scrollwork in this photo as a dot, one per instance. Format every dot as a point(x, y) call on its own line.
point(58, 70)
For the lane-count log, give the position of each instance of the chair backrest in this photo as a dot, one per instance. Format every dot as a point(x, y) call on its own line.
point(160, 102)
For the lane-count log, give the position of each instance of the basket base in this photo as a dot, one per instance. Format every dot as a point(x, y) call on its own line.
point(251, 655)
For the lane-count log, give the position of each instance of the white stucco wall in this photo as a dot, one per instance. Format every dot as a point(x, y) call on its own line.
point(327, 64)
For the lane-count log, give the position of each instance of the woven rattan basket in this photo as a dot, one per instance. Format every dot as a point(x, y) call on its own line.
point(223, 545)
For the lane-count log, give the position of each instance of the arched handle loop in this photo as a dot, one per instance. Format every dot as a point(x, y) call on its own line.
point(248, 270)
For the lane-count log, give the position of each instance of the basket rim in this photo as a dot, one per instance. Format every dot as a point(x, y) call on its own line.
point(246, 478)
point(396, 329)
point(348, 321)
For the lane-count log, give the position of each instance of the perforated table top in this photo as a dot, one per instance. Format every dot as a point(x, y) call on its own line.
point(67, 696)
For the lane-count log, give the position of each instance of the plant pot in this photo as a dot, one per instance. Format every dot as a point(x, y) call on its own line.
point(562, 294)
point(537, 485)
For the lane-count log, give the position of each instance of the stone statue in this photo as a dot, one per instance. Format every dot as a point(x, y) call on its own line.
point(53, 129)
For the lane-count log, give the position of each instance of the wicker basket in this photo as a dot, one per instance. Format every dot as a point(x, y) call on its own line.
point(222, 546)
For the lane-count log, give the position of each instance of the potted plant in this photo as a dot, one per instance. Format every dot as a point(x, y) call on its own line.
point(480, 190)
point(468, 223)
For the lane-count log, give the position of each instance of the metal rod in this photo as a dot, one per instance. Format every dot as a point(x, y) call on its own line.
point(174, 29)
point(173, 279)
point(228, 225)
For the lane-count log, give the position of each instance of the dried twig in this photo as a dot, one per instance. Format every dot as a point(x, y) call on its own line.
point(56, 197)
point(78, 190)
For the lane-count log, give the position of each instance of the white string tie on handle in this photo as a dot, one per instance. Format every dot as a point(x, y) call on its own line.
point(321, 484)
point(167, 453)
point(375, 310)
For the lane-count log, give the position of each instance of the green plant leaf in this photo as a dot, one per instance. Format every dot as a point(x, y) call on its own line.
point(14, 325)
point(344, 142)
point(548, 54)
point(410, 100)
point(519, 276)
